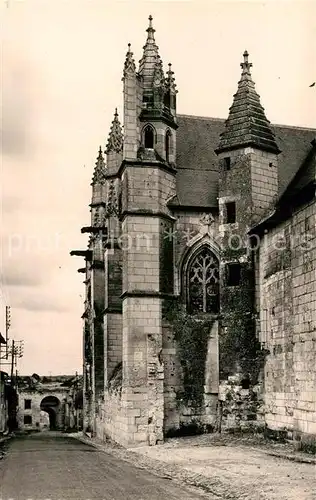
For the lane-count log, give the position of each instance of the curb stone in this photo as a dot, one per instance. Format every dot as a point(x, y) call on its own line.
point(293, 458)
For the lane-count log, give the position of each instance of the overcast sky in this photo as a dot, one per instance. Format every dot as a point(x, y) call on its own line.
point(62, 66)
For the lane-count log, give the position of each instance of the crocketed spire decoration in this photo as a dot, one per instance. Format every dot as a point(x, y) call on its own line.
point(129, 65)
point(247, 124)
point(115, 140)
point(159, 76)
point(170, 81)
point(99, 170)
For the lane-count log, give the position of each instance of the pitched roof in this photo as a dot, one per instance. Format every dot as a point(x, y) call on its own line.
point(304, 177)
point(247, 124)
point(197, 162)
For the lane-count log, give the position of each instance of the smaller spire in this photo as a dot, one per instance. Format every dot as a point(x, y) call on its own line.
point(170, 80)
point(99, 170)
point(115, 140)
point(129, 65)
point(247, 124)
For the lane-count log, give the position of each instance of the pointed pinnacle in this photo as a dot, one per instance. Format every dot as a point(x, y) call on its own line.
point(115, 141)
point(99, 169)
point(129, 65)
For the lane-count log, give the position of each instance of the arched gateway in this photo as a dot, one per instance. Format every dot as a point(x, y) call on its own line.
point(51, 405)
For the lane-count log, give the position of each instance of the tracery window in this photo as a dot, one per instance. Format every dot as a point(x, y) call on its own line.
point(203, 282)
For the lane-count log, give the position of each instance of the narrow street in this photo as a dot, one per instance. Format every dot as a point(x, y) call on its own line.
point(53, 466)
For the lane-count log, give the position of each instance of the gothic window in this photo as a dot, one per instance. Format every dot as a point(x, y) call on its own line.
point(149, 136)
point(168, 144)
point(203, 283)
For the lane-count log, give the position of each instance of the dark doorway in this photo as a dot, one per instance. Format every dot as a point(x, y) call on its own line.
point(51, 405)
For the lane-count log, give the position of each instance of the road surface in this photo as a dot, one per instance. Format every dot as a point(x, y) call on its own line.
point(52, 466)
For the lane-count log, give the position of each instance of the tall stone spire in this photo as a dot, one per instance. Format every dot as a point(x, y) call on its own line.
point(147, 64)
point(247, 124)
point(99, 170)
point(115, 140)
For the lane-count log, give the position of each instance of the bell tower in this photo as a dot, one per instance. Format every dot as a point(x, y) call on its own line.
point(148, 181)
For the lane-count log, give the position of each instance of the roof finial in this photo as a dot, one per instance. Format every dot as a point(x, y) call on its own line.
point(245, 65)
point(150, 30)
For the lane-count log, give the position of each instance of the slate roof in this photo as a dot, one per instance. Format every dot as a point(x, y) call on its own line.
point(197, 162)
point(304, 177)
point(247, 124)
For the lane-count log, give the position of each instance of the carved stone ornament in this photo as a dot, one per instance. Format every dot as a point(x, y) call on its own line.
point(207, 220)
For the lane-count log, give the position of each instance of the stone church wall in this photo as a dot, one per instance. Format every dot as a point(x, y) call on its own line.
point(288, 323)
point(227, 402)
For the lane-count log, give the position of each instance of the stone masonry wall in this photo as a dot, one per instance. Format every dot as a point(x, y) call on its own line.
point(113, 327)
point(288, 323)
point(190, 231)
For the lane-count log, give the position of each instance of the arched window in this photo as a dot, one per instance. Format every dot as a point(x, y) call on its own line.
point(168, 145)
point(202, 282)
point(149, 136)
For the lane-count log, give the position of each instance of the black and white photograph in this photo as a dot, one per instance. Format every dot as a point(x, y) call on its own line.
point(158, 250)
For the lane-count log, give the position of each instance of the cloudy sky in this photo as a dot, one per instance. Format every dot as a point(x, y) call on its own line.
point(62, 65)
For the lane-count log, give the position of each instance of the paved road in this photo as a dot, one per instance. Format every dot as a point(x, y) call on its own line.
point(53, 466)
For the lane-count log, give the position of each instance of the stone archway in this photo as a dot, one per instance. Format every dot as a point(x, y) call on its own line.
point(51, 405)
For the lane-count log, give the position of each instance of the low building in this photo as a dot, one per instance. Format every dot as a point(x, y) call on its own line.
point(44, 402)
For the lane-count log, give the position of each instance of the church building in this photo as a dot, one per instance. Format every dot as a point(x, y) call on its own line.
point(200, 270)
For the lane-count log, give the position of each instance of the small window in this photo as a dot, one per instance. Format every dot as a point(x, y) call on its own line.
point(227, 163)
point(27, 404)
point(149, 137)
point(28, 419)
point(230, 212)
point(233, 274)
point(245, 383)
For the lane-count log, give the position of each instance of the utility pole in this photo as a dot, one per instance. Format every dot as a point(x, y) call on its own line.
point(7, 326)
point(12, 361)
